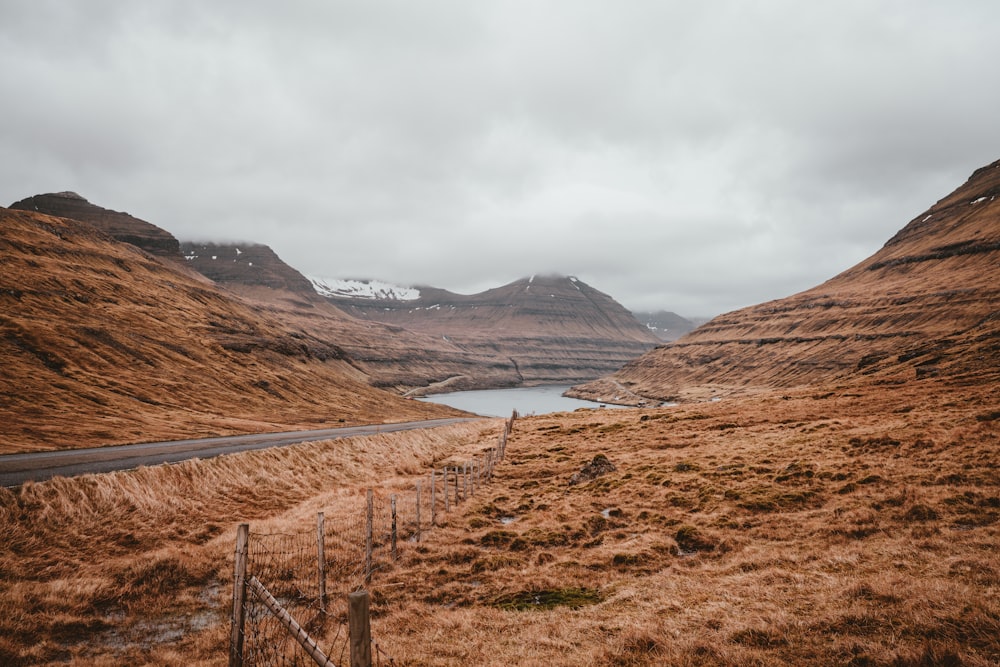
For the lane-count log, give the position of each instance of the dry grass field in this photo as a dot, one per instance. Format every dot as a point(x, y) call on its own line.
point(851, 526)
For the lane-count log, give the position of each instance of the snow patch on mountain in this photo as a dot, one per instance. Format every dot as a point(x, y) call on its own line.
point(363, 289)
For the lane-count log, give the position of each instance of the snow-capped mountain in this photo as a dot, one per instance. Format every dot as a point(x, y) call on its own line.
point(363, 289)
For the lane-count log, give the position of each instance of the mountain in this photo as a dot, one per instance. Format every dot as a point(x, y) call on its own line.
point(666, 325)
point(422, 340)
point(121, 226)
point(102, 343)
point(244, 263)
point(363, 289)
point(551, 328)
point(926, 305)
point(385, 356)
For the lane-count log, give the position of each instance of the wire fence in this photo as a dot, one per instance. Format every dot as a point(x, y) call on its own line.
point(291, 587)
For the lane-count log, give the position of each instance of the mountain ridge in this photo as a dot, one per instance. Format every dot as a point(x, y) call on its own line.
point(119, 225)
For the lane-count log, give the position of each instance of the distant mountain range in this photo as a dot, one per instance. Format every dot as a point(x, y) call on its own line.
point(110, 319)
point(926, 305)
point(338, 288)
point(668, 326)
point(550, 329)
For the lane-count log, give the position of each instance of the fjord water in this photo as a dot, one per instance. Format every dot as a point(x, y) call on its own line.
point(526, 400)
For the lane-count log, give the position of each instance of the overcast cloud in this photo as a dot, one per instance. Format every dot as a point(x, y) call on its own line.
point(688, 156)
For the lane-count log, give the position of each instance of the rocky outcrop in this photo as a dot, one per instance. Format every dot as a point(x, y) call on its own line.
point(551, 329)
point(927, 304)
point(121, 226)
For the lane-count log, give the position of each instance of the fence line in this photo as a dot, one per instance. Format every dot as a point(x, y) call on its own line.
point(283, 582)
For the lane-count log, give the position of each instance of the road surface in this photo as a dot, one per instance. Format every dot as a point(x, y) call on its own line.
point(15, 469)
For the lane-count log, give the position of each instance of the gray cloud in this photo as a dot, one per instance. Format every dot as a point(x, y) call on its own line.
point(693, 157)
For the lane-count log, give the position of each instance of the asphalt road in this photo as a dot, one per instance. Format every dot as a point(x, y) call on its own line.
point(15, 469)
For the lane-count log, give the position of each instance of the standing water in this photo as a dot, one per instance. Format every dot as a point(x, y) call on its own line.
point(526, 400)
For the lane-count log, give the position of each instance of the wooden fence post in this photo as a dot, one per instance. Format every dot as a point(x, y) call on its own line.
point(444, 476)
point(456, 486)
point(433, 506)
point(369, 535)
point(239, 595)
point(465, 481)
point(394, 552)
point(418, 510)
point(359, 629)
point(321, 559)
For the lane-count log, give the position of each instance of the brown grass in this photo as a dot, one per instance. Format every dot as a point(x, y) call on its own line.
point(136, 566)
point(856, 526)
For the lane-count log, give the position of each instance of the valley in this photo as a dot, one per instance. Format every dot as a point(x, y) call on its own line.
point(826, 491)
point(812, 527)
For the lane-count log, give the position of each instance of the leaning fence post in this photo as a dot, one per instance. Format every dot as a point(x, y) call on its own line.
point(297, 632)
point(239, 595)
point(369, 535)
point(321, 559)
point(392, 502)
point(359, 629)
point(418, 510)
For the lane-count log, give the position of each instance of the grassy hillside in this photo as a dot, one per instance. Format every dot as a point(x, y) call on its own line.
point(102, 343)
point(924, 305)
point(852, 525)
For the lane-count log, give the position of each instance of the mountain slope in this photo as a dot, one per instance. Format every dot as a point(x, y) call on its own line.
point(121, 226)
point(102, 343)
point(552, 328)
point(927, 303)
point(244, 264)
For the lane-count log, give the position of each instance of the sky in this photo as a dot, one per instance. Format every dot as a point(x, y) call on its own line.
point(695, 157)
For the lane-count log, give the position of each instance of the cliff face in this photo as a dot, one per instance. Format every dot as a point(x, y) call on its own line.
point(551, 328)
point(101, 343)
point(927, 304)
point(121, 226)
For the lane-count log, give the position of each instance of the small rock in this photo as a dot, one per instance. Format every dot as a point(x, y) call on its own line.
point(600, 465)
